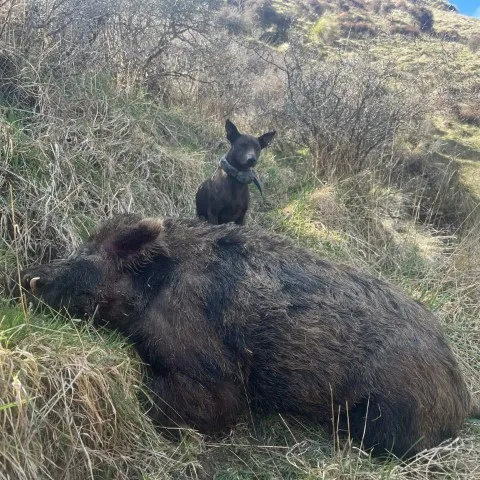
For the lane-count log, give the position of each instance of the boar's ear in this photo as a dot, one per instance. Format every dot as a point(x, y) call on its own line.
point(232, 131)
point(265, 139)
point(138, 243)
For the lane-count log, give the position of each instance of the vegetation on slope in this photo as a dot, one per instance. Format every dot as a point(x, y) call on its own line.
point(116, 106)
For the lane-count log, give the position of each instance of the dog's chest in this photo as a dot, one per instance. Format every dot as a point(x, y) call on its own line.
point(229, 195)
point(228, 190)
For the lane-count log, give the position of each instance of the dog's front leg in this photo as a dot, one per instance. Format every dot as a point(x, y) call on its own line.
point(240, 220)
point(213, 216)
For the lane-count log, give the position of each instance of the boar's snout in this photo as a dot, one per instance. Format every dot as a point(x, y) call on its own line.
point(32, 278)
point(70, 284)
point(12, 288)
point(32, 281)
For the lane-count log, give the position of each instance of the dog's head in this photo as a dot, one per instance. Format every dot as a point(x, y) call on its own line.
point(245, 149)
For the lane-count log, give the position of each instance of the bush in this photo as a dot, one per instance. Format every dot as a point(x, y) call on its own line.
point(468, 112)
point(474, 43)
point(269, 17)
point(129, 39)
point(404, 29)
point(424, 18)
point(356, 29)
point(375, 6)
point(317, 7)
point(234, 23)
point(345, 110)
point(450, 36)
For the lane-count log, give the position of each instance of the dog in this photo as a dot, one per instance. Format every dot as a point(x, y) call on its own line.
point(225, 197)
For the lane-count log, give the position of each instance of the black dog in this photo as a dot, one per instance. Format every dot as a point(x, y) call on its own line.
point(224, 197)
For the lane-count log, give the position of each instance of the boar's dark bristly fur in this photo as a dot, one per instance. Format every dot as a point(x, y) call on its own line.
point(231, 318)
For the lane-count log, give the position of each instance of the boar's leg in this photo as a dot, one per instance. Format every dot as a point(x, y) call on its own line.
point(183, 401)
point(389, 425)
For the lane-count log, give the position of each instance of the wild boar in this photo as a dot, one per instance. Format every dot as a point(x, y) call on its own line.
point(234, 318)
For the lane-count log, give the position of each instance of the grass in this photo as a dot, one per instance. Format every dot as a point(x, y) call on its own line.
point(69, 404)
point(99, 164)
point(448, 21)
point(72, 401)
point(313, 218)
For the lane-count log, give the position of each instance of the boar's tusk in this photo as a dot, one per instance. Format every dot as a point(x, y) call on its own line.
point(33, 282)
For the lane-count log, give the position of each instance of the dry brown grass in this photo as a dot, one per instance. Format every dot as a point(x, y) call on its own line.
point(90, 157)
point(70, 406)
point(78, 144)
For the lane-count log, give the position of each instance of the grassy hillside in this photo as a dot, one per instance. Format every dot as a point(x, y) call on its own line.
point(119, 106)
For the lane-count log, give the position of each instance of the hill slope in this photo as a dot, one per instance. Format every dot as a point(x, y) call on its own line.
point(117, 105)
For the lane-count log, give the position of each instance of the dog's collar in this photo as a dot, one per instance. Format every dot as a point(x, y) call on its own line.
point(245, 177)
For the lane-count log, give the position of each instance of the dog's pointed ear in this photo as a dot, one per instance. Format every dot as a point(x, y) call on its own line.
point(232, 131)
point(137, 243)
point(265, 139)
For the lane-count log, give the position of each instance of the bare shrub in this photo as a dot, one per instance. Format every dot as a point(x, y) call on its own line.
point(375, 6)
point(357, 28)
point(423, 17)
point(234, 77)
point(446, 6)
point(474, 43)
point(468, 112)
point(462, 101)
point(404, 29)
point(317, 7)
point(132, 40)
point(234, 22)
point(346, 110)
point(268, 17)
point(449, 35)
